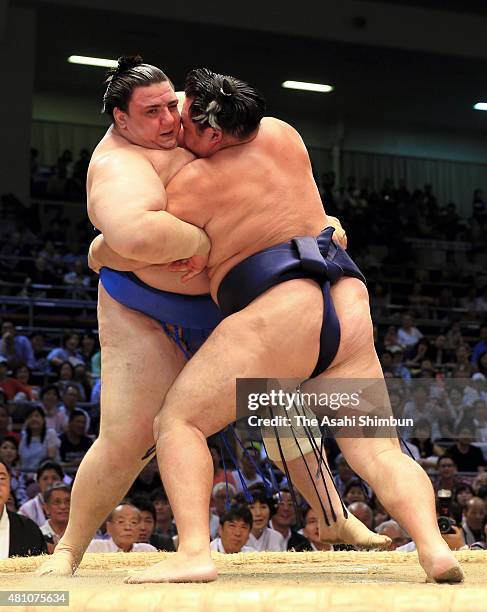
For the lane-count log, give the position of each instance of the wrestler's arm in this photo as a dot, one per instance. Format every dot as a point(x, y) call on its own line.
point(127, 203)
point(100, 255)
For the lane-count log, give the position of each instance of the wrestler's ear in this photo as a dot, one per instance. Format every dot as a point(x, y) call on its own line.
point(216, 136)
point(120, 118)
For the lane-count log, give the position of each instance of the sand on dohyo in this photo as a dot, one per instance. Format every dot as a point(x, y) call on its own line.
point(262, 582)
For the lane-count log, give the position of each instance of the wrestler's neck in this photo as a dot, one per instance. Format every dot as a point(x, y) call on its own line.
point(228, 140)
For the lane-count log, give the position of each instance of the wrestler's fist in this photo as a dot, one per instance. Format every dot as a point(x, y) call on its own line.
point(340, 235)
point(192, 266)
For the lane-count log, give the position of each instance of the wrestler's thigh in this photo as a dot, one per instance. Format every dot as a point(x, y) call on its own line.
point(276, 336)
point(138, 365)
point(357, 358)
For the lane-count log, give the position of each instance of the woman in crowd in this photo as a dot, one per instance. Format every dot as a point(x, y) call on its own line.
point(56, 417)
point(9, 454)
point(262, 508)
point(37, 442)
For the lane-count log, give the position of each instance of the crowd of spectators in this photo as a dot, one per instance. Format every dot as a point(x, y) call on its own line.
point(431, 338)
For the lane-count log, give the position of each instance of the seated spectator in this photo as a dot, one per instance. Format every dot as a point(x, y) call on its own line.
point(71, 399)
point(164, 517)
point(68, 352)
point(479, 419)
point(16, 349)
point(96, 392)
point(262, 537)
point(481, 364)
point(454, 337)
point(41, 363)
point(9, 454)
point(218, 471)
point(123, 526)
point(447, 474)
point(23, 374)
point(47, 474)
point(428, 452)
point(481, 346)
point(284, 520)
point(66, 379)
point(147, 481)
point(440, 355)
point(417, 353)
point(57, 503)
point(473, 521)
point(56, 417)
point(311, 531)
point(219, 496)
point(89, 347)
point(479, 482)
point(363, 512)
point(82, 379)
point(397, 534)
point(463, 366)
point(467, 458)
point(74, 442)
point(481, 544)
point(6, 420)
point(391, 342)
point(21, 537)
point(249, 462)
point(37, 442)
point(455, 405)
point(407, 334)
point(354, 492)
point(462, 495)
point(235, 526)
point(391, 362)
point(148, 524)
point(11, 386)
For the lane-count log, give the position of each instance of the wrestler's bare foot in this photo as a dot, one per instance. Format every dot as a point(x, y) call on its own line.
point(440, 565)
point(63, 562)
point(352, 531)
point(179, 567)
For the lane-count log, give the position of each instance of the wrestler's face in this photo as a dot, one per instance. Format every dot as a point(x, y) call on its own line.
point(152, 120)
point(202, 143)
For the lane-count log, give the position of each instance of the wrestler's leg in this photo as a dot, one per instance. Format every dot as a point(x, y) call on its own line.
point(248, 344)
point(139, 363)
point(342, 530)
point(401, 485)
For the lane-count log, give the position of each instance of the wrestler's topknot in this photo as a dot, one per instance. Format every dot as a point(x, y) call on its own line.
point(223, 103)
point(130, 72)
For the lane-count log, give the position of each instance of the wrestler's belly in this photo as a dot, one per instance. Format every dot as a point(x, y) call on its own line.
point(159, 277)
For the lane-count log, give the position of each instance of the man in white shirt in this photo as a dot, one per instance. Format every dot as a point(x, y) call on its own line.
point(235, 526)
point(407, 334)
point(57, 500)
point(123, 526)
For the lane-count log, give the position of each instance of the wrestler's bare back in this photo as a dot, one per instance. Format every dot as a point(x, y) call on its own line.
point(137, 165)
point(249, 197)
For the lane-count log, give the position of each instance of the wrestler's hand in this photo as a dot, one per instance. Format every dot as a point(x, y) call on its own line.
point(192, 266)
point(340, 235)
